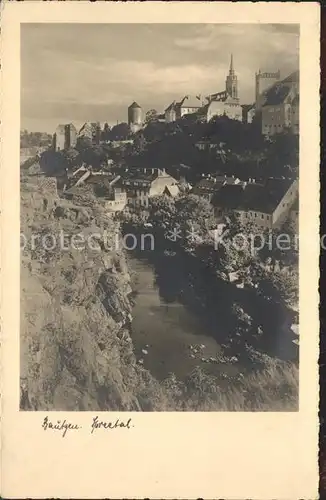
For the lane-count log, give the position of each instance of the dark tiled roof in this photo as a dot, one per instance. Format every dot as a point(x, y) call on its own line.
point(280, 90)
point(276, 95)
point(253, 197)
point(207, 186)
point(293, 78)
point(138, 177)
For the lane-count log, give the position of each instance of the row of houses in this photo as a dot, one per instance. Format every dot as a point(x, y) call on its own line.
point(132, 187)
point(266, 204)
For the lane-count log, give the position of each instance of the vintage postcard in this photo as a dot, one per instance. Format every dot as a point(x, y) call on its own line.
point(160, 245)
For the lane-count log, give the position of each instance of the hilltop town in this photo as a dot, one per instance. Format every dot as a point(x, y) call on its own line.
point(210, 147)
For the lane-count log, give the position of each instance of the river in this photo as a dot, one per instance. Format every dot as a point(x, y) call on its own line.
point(171, 336)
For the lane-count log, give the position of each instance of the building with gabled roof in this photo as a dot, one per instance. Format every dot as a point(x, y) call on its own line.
point(280, 110)
point(266, 204)
point(142, 184)
point(207, 188)
point(187, 105)
point(91, 130)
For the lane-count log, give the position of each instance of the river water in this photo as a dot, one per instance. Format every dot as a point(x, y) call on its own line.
point(165, 328)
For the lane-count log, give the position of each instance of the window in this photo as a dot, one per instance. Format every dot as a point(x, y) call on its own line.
point(262, 216)
point(267, 217)
point(255, 214)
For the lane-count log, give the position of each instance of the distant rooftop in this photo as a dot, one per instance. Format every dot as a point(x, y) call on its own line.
point(206, 186)
point(134, 105)
point(190, 102)
point(278, 93)
point(293, 78)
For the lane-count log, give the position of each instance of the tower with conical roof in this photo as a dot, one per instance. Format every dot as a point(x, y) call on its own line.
point(135, 117)
point(231, 84)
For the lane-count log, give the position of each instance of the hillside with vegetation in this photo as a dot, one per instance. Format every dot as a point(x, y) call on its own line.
point(237, 149)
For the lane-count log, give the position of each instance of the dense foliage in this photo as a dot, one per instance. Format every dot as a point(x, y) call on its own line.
point(34, 139)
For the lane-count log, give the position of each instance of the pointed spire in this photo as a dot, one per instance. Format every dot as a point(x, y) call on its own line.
point(231, 65)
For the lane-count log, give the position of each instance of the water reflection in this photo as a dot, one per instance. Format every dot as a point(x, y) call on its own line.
point(175, 309)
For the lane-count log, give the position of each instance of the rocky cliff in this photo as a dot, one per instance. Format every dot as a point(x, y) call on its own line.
point(76, 352)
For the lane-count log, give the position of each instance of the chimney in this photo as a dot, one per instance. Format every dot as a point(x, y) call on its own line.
point(153, 170)
point(253, 181)
point(144, 170)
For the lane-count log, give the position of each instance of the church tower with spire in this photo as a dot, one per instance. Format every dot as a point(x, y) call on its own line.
point(231, 84)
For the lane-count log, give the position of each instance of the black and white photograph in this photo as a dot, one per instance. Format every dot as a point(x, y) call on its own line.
point(159, 217)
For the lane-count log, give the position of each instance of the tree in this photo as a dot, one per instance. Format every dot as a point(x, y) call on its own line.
point(283, 155)
point(53, 163)
point(72, 158)
point(120, 132)
point(34, 139)
point(162, 211)
point(139, 143)
point(94, 156)
point(105, 135)
point(151, 116)
point(280, 287)
point(83, 143)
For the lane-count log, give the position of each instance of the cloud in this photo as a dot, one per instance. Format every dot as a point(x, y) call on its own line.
point(93, 72)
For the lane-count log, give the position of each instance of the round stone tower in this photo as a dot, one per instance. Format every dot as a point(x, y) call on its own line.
point(135, 117)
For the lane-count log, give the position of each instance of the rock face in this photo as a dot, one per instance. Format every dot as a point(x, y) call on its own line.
point(76, 352)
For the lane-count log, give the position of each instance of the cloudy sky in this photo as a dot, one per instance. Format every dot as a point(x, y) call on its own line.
point(92, 72)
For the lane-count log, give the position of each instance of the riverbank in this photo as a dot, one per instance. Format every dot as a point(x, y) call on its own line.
point(171, 338)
